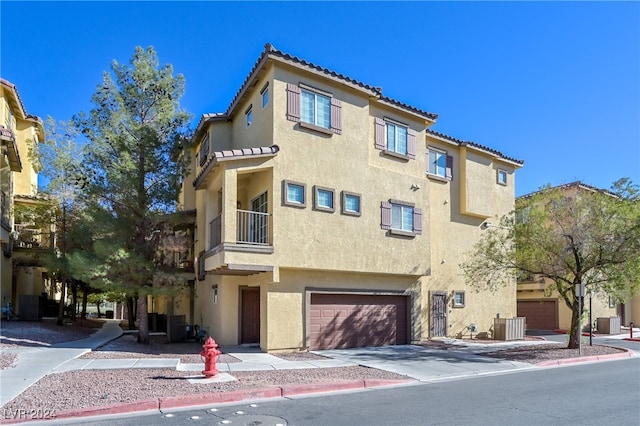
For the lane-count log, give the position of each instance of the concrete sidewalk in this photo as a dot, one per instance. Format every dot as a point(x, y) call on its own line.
point(33, 363)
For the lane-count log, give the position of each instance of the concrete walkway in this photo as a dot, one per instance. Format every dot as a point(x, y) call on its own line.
point(425, 364)
point(34, 363)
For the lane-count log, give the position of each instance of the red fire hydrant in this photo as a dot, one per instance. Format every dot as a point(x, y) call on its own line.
point(209, 354)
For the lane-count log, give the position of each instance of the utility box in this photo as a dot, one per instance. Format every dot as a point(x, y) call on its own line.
point(176, 328)
point(508, 328)
point(31, 308)
point(610, 325)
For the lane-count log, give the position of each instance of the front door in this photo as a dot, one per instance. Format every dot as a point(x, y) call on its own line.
point(438, 314)
point(250, 319)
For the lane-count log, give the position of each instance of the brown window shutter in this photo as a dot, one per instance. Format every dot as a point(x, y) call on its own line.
point(336, 116)
point(379, 133)
point(449, 170)
point(417, 221)
point(385, 212)
point(293, 102)
point(411, 143)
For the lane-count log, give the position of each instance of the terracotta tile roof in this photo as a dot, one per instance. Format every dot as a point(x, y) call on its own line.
point(271, 52)
point(20, 104)
point(576, 184)
point(474, 145)
point(231, 154)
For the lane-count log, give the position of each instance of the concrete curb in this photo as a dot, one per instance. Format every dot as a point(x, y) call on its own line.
point(625, 353)
point(193, 400)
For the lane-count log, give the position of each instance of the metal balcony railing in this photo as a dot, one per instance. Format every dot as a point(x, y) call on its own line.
point(252, 228)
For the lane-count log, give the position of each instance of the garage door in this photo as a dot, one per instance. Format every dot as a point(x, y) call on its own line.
point(541, 315)
point(353, 320)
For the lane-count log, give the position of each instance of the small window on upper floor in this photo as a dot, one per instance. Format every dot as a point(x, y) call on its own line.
point(323, 199)
point(314, 109)
point(265, 95)
point(351, 203)
point(203, 153)
point(401, 218)
point(502, 177)
point(249, 114)
point(294, 194)
point(395, 138)
point(439, 164)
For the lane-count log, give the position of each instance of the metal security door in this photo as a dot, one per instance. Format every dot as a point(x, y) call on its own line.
point(438, 314)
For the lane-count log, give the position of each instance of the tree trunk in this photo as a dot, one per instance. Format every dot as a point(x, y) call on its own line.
point(143, 329)
point(574, 333)
point(74, 300)
point(131, 316)
point(98, 307)
point(85, 300)
point(63, 288)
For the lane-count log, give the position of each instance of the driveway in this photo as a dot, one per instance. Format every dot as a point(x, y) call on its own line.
point(425, 364)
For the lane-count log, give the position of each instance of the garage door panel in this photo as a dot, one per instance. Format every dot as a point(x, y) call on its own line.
point(351, 320)
point(540, 314)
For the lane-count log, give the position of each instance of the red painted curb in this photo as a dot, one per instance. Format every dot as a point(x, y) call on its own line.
point(128, 407)
point(624, 354)
point(217, 398)
point(292, 390)
point(632, 339)
point(374, 383)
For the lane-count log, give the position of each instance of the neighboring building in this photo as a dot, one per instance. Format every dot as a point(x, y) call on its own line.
point(546, 310)
point(19, 186)
point(329, 215)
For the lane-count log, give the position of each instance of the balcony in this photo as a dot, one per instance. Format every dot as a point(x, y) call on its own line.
point(252, 231)
point(243, 255)
point(5, 211)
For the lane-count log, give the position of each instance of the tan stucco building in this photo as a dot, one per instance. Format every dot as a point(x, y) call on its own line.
point(19, 185)
point(546, 310)
point(329, 215)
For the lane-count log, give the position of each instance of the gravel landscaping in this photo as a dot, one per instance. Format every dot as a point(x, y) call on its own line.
point(94, 388)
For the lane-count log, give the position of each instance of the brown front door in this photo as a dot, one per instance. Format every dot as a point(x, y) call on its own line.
point(250, 319)
point(438, 314)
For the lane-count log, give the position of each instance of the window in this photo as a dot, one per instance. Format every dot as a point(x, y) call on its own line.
point(249, 114)
point(502, 177)
point(314, 109)
point(458, 299)
point(395, 138)
point(350, 203)
point(294, 194)
point(214, 289)
point(265, 95)
point(439, 163)
point(323, 199)
point(612, 302)
point(204, 149)
point(401, 218)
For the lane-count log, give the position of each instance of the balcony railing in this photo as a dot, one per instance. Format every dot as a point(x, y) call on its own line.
point(29, 237)
point(252, 228)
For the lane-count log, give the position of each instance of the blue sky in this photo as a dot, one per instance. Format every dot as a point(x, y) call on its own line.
point(554, 84)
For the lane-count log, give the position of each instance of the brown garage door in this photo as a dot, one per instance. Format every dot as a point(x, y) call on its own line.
point(353, 320)
point(540, 314)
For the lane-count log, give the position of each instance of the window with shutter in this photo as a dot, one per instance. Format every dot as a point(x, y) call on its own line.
point(401, 218)
point(314, 109)
point(439, 164)
point(203, 153)
point(395, 138)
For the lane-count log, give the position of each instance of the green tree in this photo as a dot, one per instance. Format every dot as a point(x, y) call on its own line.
point(136, 130)
point(59, 159)
point(590, 238)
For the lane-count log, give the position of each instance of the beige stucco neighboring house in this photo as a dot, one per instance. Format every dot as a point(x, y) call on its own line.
point(546, 310)
point(19, 275)
point(329, 215)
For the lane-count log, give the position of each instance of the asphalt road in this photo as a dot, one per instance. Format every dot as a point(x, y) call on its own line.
point(604, 393)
